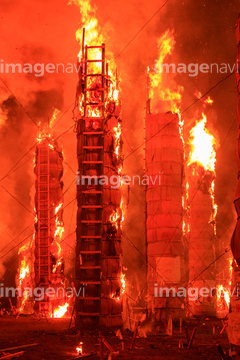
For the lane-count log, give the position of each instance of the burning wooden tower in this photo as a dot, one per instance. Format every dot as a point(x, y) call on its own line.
point(165, 241)
point(166, 245)
point(49, 263)
point(98, 251)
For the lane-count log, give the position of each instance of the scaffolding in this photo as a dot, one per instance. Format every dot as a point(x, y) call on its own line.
point(98, 251)
point(48, 171)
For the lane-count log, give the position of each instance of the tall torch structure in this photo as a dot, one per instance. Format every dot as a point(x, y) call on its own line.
point(165, 242)
point(98, 127)
point(49, 225)
point(166, 248)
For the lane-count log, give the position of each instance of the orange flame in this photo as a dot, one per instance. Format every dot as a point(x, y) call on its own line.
point(161, 88)
point(24, 278)
point(123, 283)
point(117, 216)
point(54, 116)
point(80, 349)
point(223, 298)
point(122, 290)
point(202, 151)
point(223, 294)
point(60, 311)
point(24, 270)
point(198, 95)
point(202, 146)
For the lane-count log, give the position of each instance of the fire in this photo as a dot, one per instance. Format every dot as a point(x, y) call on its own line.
point(59, 230)
point(208, 101)
point(123, 283)
point(99, 96)
point(90, 22)
point(58, 223)
point(117, 216)
point(24, 279)
point(223, 299)
point(202, 146)
point(117, 295)
point(54, 116)
point(117, 138)
point(202, 151)
point(60, 311)
point(80, 349)
point(24, 270)
point(162, 88)
point(58, 208)
point(223, 294)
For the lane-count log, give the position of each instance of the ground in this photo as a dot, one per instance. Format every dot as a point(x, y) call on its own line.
point(56, 341)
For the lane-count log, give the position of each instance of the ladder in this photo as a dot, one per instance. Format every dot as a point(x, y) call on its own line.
point(43, 238)
point(89, 191)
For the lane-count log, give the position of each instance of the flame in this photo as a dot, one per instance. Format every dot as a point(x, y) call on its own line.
point(116, 296)
point(223, 294)
point(123, 283)
point(117, 136)
point(202, 146)
point(161, 88)
point(223, 298)
point(93, 86)
point(58, 208)
point(24, 278)
point(117, 216)
point(24, 270)
point(93, 37)
point(60, 311)
point(80, 348)
point(198, 95)
point(53, 118)
point(59, 230)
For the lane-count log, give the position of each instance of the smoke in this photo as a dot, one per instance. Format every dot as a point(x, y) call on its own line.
point(44, 32)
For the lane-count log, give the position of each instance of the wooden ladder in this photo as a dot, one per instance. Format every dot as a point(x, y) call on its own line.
point(89, 191)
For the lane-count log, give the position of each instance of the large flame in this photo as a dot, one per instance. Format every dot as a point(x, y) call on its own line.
point(202, 152)
point(24, 278)
point(202, 146)
point(162, 86)
point(59, 230)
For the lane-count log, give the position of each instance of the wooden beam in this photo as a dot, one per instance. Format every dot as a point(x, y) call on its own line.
point(12, 356)
point(18, 347)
